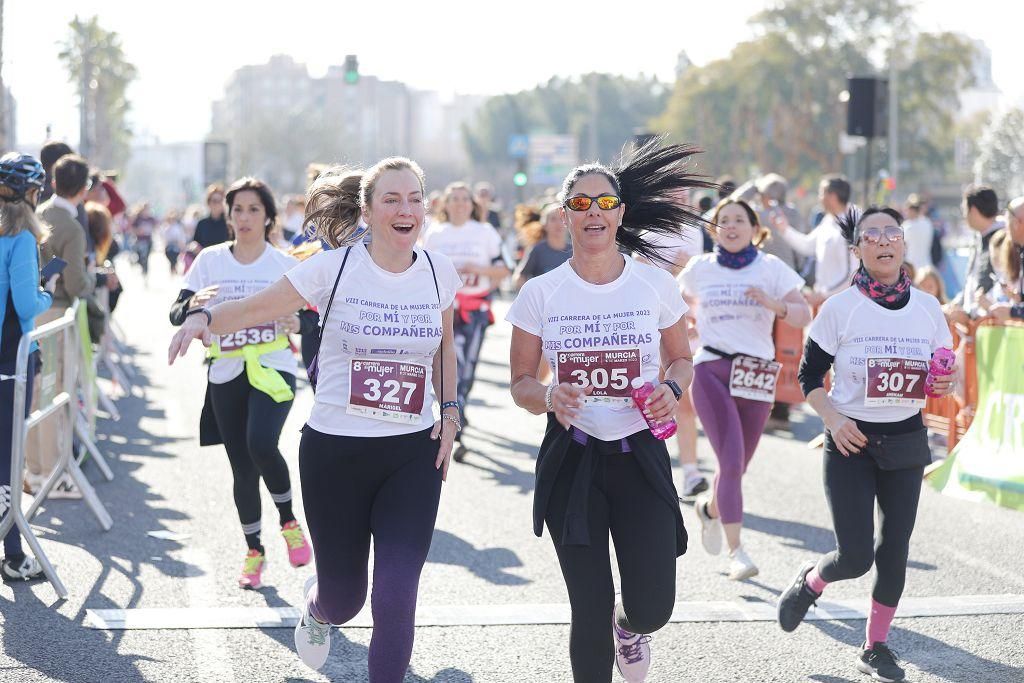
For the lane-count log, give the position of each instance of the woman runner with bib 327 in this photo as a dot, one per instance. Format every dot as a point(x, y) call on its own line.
point(372, 457)
point(252, 369)
point(888, 345)
point(739, 292)
point(606, 323)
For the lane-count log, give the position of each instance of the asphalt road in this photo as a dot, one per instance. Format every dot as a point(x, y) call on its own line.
point(484, 559)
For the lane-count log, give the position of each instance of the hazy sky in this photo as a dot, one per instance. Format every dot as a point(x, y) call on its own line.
point(185, 55)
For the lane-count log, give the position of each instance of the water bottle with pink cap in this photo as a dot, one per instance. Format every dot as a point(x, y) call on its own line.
point(641, 392)
point(941, 365)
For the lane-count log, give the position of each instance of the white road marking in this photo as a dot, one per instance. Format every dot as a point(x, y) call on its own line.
point(521, 615)
point(212, 656)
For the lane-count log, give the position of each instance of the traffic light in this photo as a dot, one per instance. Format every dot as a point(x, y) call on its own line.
point(520, 179)
point(351, 69)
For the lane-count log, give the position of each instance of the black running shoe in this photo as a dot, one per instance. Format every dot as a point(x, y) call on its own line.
point(25, 569)
point(880, 663)
point(798, 598)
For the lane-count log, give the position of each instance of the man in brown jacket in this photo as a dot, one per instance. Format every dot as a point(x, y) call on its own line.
point(66, 241)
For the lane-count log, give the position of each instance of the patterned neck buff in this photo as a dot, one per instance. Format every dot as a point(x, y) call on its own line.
point(740, 259)
point(888, 296)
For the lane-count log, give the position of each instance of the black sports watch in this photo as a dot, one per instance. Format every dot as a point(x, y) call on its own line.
point(671, 384)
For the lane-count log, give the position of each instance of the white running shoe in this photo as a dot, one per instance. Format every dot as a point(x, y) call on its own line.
point(694, 484)
point(632, 652)
point(741, 566)
point(66, 489)
point(710, 528)
point(312, 638)
point(26, 570)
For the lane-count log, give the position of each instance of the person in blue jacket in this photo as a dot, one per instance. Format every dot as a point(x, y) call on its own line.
point(21, 300)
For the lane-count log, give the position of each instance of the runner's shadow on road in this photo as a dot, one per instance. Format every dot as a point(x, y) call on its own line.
point(795, 534)
point(502, 473)
point(926, 654)
point(348, 662)
point(50, 644)
point(487, 563)
point(527, 449)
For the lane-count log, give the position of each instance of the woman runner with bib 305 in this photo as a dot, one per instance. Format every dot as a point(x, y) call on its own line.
point(888, 346)
point(252, 370)
point(372, 456)
point(607, 323)
point(739, 292)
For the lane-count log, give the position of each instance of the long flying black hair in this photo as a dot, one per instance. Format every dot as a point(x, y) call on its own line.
point(648, 180)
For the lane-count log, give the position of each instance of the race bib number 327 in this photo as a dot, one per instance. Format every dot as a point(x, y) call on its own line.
point(895, 382)
point(609, 372)
point(387, 390)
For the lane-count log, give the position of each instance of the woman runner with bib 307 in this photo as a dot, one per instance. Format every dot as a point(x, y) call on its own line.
point(252, 369)
point(739, 292)
point(603, 322)
point(888, 346)
point(372, 456)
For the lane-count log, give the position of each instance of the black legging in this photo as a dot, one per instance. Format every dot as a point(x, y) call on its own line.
point(643, 529)
point(356, 487)
point(250, 423)
point(852, 484)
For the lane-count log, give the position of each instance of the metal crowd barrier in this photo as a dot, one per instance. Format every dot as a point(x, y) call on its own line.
point(65, 404)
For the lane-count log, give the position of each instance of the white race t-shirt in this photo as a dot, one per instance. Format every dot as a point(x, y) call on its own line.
point(918, 235)
point(605, 335)
point(216, 265)
point(855, 329)
point(727, 319)
point(383, 329)
point(472, 243)
point(678, 249)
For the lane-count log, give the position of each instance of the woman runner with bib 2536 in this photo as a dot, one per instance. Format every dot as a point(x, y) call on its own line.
point(372, 456)
point(887, 344)
point(252, 369)
point(739, 293)
point(604, 322)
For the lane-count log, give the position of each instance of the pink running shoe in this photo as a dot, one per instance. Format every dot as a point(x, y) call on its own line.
point(252, 570)
point(299, 552)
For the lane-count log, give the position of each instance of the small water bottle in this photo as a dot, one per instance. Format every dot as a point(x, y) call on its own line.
point(641, 391)
point(941, 365)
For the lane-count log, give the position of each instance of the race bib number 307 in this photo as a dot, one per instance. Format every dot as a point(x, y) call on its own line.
point(387, 390)
point(261, 334)
point(895, 382)
point(609, 372)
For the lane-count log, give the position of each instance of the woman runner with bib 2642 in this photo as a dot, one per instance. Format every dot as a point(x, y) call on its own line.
point(888, 346)
point(603, 322)
point(372, 456)
point(252, 369)
point(739, 293)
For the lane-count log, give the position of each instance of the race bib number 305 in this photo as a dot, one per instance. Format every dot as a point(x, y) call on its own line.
point(608, 372)
point(754, 378)
point(261, 334)
point(895, 382)
point(387, 390)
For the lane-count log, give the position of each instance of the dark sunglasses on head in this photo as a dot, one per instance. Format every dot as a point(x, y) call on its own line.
point(874, 235)
point(582, 202)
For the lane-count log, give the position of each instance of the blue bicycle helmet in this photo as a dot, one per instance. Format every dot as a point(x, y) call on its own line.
point(20, 173)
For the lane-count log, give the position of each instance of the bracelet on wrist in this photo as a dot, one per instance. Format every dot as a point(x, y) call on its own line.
point(548, 403)
point(454, 420)
point(450, 404)
point(201, 309)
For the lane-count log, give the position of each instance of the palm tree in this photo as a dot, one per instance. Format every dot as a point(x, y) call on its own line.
point(96, 63)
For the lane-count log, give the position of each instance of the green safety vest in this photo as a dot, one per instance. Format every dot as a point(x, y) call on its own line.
point(267, 380)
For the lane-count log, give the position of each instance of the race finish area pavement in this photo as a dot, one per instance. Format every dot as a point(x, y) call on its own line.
point(493, 608)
